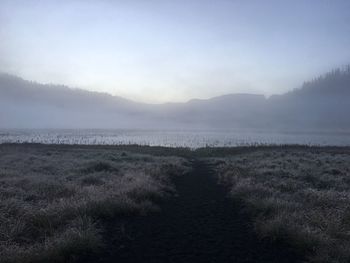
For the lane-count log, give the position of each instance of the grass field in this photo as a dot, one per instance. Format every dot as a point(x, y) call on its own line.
point(53, 200)
point(298, 195)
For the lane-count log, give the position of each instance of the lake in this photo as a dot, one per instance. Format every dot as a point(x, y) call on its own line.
point(174, 138)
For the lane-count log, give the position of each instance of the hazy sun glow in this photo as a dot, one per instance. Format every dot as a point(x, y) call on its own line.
point(158, 51)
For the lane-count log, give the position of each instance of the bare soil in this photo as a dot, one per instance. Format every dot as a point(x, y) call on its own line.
point(200, 224)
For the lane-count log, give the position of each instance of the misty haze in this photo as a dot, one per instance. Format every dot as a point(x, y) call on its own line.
point(174, 131)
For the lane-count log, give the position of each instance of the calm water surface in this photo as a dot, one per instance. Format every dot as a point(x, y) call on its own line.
point(173, 138)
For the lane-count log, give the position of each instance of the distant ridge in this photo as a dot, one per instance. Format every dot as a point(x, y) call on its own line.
point(322, 103)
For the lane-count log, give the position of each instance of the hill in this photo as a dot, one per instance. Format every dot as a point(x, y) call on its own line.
point(320, 104)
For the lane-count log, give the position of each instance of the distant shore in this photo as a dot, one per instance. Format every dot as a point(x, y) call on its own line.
point(184, 151)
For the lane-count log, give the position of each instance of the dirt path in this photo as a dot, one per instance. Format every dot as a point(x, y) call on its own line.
point(200, 225)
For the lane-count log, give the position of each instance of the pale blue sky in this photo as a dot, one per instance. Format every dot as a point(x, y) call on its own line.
point(159, 50)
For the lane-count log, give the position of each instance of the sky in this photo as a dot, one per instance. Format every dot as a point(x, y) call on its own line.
point(170, 51)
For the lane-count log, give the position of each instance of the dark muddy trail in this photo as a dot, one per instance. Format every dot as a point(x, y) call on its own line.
point(200, 224)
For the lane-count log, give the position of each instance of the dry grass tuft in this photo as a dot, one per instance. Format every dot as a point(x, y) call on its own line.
point(52, 199)
point(299, 196)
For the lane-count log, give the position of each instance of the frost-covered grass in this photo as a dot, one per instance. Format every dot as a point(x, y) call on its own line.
point(53, 199)
point(300, 196)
